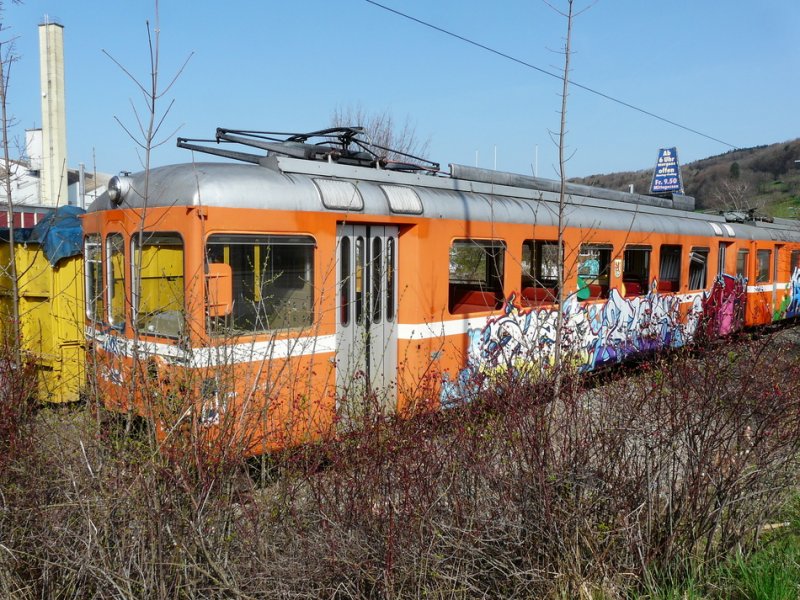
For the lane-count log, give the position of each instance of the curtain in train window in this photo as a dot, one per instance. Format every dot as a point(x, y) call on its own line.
point(636, 270)
point(763, 259)
point(115, 273)
point(158, 284)
point(669, 269)
point(476, 275)
point(273, 282)
point(698, 268)
point(93, 260)
point(539, 271)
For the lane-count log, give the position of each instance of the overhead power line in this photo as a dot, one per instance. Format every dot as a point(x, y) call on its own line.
point(549, 73)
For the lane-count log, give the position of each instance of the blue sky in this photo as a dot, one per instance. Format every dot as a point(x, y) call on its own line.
point(728, 69)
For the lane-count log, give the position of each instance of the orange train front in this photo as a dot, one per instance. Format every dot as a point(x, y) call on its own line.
point(262, 297)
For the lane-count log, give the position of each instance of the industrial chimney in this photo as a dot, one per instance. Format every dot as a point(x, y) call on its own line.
point(53, 188)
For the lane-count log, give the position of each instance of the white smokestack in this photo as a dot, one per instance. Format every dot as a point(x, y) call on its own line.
point(54, 115)
point(33, 148)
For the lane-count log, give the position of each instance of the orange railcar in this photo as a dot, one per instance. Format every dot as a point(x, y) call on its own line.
point(267, 299)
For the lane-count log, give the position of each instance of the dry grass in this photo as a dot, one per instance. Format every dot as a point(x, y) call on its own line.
point(513, 495)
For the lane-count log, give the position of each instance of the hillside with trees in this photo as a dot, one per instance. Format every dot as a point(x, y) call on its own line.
point(765, 178)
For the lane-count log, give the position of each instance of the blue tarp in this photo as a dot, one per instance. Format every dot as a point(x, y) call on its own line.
point(59, 233)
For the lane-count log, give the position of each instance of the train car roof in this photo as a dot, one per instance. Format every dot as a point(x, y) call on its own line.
point(283, 183)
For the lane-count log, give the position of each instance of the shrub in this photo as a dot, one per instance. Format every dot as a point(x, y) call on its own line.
point(616, 483)
point(17, 404)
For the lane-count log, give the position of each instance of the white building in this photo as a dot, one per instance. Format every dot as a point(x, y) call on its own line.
point(27, 189)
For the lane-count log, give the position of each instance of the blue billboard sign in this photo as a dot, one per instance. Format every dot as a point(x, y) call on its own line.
point(667, 174)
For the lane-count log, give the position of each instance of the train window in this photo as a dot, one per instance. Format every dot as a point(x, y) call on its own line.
point(669, 269)
point(360, 254)
point(698, 268)
point(476, 275)
point(594, 262)
point(794, 268)
point(339, 195)
point(377, 278)
point(402, 199)
point(763, 259)
point(115, 275)
point(344, 277)
point(539, 271)
point(722, 258)
point(636, 270)
point(273, 282)
point(390, 278)
point(741, 263)
point(93, 257)
point(158, 290)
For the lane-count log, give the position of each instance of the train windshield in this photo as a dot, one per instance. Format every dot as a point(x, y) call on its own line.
point(158, 284)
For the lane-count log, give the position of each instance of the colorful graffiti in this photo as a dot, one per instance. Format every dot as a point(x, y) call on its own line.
point(723, 307)
point(594, 334)
point(793, 298)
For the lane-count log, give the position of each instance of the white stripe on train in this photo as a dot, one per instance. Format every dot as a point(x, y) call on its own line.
point(264, 350)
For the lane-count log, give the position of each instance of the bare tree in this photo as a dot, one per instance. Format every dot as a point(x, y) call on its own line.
point(146, 140)
point(735, 194)
point(383, 130)
point(562, 196)
point(147, 133)
point(7, 58)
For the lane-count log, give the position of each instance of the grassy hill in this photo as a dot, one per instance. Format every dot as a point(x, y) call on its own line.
point(763, 177)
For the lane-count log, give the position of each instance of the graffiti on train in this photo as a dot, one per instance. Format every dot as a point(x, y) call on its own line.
point(791, 304)
point(522, 340)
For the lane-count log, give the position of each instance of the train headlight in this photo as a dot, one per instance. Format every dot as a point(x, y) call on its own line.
point(118, 187)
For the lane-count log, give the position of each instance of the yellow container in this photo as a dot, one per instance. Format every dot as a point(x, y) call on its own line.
point(51, 317)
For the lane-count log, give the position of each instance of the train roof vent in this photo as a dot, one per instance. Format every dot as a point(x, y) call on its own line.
point(339, 195)
point(402, 199)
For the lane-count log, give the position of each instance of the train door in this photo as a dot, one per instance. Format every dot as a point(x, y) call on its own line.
point(366, 314)
point(760, 296)
point(727, 294)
